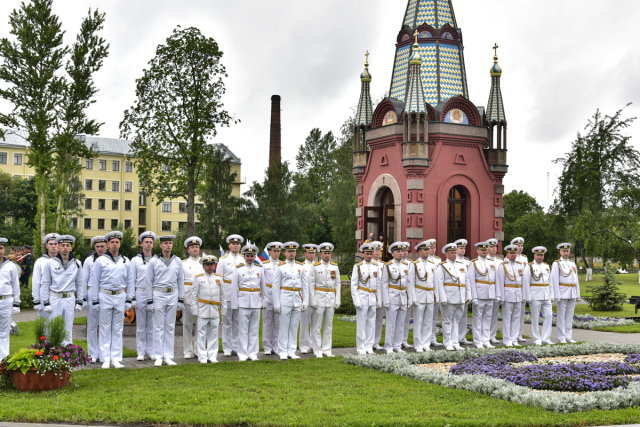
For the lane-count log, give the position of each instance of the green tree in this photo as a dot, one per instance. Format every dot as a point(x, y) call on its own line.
point(606, 296)
point(177, 109)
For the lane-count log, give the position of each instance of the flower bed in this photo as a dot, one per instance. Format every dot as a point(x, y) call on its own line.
point(587, 321)
point(619, 396)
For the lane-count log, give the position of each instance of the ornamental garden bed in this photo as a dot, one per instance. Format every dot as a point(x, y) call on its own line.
point(562, 378)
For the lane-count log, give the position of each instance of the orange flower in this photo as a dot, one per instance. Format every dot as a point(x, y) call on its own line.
point(42, 338)
point(55, 357)
point(39, 353)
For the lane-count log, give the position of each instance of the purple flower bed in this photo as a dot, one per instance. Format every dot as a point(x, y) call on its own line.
point(558, 377)
point(632, 359)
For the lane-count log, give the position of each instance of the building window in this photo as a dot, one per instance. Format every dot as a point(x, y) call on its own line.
point(87, 223)
point(128, 186)
point(142, 216)
point(127, 223)
point(102, 185)
point(88, 203)
point(17, 158)
point(88, 184)
point(182, 208)
point(128, 167)
point(115, 205)
point(166, 206)
point(116, 165)
point(101, 204)
point(115, 185)
point(182, 226)
point(3, 158)
point(457, 217)
point(100, 223)
point(127, 205)
point(143, 199)
point(88, 163)
point(103, 165)
point(166, 225)
point(114, 224)
point(74, 222)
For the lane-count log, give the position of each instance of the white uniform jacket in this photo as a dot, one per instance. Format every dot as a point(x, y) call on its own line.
point(9, 282)
point(421, 283)
point(269, 267)
point(138, 277)
point(36, 278)
point(111, 274)
point(451, 282)
point(324, 284)
point(248, 286)
point(56, 278)
point(564, 279)
point(161, 275)
point(192, 267)
point(208, 296)
point(290, 287)
point(87, 272)
point(365, 284)
point(535, 282)
point(482, 279)
point(395, 283)
point(509, 280)
point(225, 269)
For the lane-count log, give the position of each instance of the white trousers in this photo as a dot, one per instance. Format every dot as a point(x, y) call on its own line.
point(365, 328)
point(381, 312)
point(524, 305)
point(288, 331)
point(64, 307)
point(188, 332)
point(423, 325)
point(495, 312)
point(248, 325)
point(395, 326)
point(230, 331)
point(482, 313)
point(111, 324)
point(564, 322)
point(144, 328)
point(322, 318)
point(407, 325)
point(6, 309)
point(207, 338)
point(511, 312)
point(93, 320)
point(164, 323)
point(270, 327)
point(539, 307)
point(462, 325)
point(452, 314)
point(436, 308)
point(305, 330)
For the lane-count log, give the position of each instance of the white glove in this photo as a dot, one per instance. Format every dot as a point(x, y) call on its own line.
point(37, 306)
point(127, 306)
point(443, 303)
point(16, 310)
point(387, 305)
point(304, 307)
point(276, 309)
point(95, 305)
point(475, 301)
point(313, 305)
point(414, 303)
point(180, 306)
point(194, 311)
point(47, 309)
point(150, 307)
point(549, 301)
point(358, 306)
point(336, 306)
point(78, 307)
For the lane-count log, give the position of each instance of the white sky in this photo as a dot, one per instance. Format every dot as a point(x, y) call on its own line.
point(561, 61)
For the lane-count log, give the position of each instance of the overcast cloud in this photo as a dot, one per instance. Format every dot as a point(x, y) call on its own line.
point(561, 61)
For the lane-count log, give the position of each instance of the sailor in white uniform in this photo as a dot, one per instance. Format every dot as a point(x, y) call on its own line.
point(366, 296)
point(324, 299)
point(539, 294)
point(192, 267)
point(51, 250)
point(424, 297)
point(522, 259)
point(207, 293)
point(380, 311)
point(395, 296)
point(509, 281)
point(484, 292)
point(462, 326)
point(226, 267)
point(99, 244)
point(306, 344)
point(270, 319)
point(566, 290)
point(495, 312)
point(137, 274)
point(9, 297)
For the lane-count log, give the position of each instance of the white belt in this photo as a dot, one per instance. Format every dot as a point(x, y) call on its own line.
point(166, 289)
point(110, 292)
point(6, 296)
point(63, 294)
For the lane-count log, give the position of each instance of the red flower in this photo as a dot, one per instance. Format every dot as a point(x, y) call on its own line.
point(55, 357)
point(39, 353)
point(42, 338)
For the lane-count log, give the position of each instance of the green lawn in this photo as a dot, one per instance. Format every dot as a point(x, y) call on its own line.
point(305, 392)
point(629, 286)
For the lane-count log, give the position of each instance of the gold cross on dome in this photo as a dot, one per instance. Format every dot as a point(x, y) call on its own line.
point(415, 34)
point(495, 49)
point(366, 58)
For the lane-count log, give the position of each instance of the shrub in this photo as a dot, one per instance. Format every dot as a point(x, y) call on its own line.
point(606, 296)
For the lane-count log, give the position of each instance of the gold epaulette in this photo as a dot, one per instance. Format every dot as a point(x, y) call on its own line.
point(240, 265)
point(360, 264)
point(199, 275)
point(443, 262)
point(266, 262)
point(373, 262)
point(531, 263)
point(316, 263)
point(503, 262)
point(224, 256)
point(389, 262)
point(299, 262)
point(333, 263)
point(281, 263)
point(474, 260)
point(467, 258)
point(185, 260)
point(416, 261)
point(404, 262)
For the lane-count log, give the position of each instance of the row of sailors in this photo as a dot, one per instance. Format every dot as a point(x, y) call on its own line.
point(400, 286)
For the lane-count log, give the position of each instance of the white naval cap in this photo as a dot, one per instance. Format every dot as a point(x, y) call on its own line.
point(326, 247)
point(517, 241)
point(564, 246)
point(235, 238)
point(461, 242)
point(113, 235)
point(147, 235)
point(398, 246)
point(422, 245)
point(512, 249)
point(249, 249)
point(539, 250)
point(193, 240)
point(98, 239)
point(50, 236)
point(66, 238)
point(431, 242)
point(274, 246)
point(208, 259)
point(291, 245)
point(482, 245)
point(449, 247)
point(167, 238)
point(367, 247)
point(3, 241)
point(492, 242)
point(310, 247)
point(377, 244)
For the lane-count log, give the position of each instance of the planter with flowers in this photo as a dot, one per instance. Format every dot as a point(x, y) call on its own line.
point(47, 364)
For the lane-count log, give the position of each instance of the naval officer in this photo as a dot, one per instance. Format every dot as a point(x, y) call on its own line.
point(566, 290)
point(539, 294)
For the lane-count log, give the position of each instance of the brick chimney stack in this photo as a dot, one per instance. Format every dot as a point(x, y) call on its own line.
point(275, 133)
